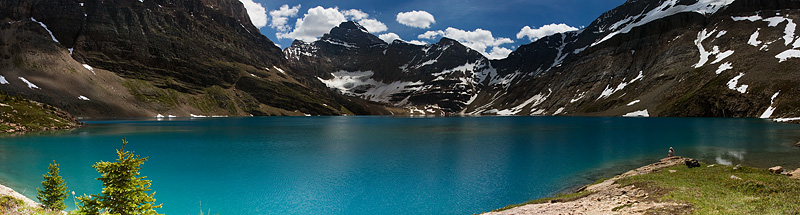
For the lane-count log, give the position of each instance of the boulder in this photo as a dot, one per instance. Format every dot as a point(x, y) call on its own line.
point(776, 169)
point(735, 178)
point(795, 174)
point(691, 163)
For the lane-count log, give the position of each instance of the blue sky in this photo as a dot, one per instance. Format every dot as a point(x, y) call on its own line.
point(501, 22)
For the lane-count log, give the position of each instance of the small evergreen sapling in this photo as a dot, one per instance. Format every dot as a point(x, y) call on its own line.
point(124, 191)
point(55, 191)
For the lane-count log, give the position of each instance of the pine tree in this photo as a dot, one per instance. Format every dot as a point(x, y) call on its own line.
point(55, 191)
point(124, 191)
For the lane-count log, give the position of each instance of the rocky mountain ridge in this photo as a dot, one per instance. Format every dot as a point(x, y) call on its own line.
point(707, 58)
point(132, 58)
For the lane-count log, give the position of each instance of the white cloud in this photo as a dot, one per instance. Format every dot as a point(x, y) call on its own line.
point(355, 14)
point(428, 35)
point(318, 21)
point(315, 23)
point(535, 34)
point(478, 40)
point(416, 19)
point(257, 13)
point(498, 53)
point(389, 37)
point(372, 25)
point(281, 16)
point(417, 42)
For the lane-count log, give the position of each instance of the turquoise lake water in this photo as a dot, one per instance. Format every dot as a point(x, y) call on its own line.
point(382, 165)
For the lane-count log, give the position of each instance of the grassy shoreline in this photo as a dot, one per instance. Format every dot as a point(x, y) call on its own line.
point(678, 189)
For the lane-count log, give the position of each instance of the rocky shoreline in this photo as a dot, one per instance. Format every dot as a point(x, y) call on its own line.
point(6, 191)
point(614, 197)
point(606, 197)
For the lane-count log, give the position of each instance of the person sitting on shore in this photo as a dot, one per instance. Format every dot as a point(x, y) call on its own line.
point(671, 152)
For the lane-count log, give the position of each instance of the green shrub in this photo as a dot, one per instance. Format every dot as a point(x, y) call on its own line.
point(124, 192)
point(55, 191)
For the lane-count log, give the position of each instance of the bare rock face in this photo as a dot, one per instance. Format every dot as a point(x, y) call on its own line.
point(795, 174)
point(776, 169)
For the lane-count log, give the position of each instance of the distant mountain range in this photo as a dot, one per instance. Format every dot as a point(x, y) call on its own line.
point(132, 58)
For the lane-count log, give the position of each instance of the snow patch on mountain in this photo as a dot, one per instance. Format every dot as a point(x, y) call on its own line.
point(788, 31)
point(610, 91)
point(83, 98)
point(768, 113)
point(634, 102)
point(361, 84)
point(579, 97)
point(732, 84)
point(3, 80)
point(559, 111)
point(48, 30)
point(706, 54)
point(752, 18)
point(754, 39)
point(340, 43)
point(785, 55)
point(536, 100)
point(279, 69)
point(723, 67)
point(641, 113)
point(666, 9)
point(89, 68)
point(30, 85)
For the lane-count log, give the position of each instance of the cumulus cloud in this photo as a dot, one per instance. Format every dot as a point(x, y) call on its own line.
point(498, 53)
point(318, 21)
point(429, 35)
point(535, 34)
point(257, 13)
point(355, 14)
point(280, 17)
point(372, 25)
point(479, 40)
point(389, 37)
point(416, 19)
point(417, 42)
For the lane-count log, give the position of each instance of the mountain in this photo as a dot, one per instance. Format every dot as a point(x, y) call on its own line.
point(433, 79)
point(134, 58)
point(706, 58)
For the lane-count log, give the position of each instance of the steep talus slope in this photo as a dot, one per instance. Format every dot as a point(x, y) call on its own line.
point(142, 58)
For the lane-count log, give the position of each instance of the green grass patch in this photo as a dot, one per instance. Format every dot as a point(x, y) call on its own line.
point(33, 116)
point(13, 206)
point(621, 207)
point(711, 190)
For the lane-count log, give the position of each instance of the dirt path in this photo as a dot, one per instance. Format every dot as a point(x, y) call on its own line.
point(608, 197)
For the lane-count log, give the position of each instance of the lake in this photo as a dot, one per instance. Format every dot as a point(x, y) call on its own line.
point(381, 165)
